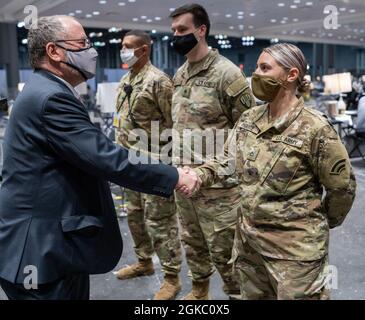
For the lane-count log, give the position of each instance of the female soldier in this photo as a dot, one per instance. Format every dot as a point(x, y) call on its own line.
point(286, 153)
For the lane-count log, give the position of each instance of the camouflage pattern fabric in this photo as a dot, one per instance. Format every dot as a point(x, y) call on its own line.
point(208, 226)
point(152, 220)
point(153, 225)
point(264, 278)
point(209, 95)
point(280, 249)
point(149, 101)
point(283, 166)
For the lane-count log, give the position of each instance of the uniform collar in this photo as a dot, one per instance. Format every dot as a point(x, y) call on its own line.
point(261, 119)
point(139, 77)
point(280, 124)
point(287, 119)
point(202, 65)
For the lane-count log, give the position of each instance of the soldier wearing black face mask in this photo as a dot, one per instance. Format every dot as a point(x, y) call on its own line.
point(210, 93)
point(184, 44)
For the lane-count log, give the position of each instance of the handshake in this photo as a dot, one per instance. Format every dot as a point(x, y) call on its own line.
point(189, 182)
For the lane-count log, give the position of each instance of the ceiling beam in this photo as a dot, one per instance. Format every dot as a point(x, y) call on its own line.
point(89, 23)
point(356, 17)
point(42, 6)
point(297, 38)
point(14, 10)
point(359, 2)
point(14, 6)
point(10, 9)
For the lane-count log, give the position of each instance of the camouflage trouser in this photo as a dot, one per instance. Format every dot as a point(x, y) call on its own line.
point(264, 278)
point(153, 224)
point(208, 224)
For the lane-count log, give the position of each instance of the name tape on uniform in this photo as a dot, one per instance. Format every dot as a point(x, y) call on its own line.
point(249, 127)
point(288, 140)
point(205, 83)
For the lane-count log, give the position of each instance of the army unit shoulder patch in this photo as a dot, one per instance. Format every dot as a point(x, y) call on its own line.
point(246, 100)
point(338, 167)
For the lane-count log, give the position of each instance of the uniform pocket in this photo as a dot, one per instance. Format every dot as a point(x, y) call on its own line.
point(239, 239)
point(205, 103)
point(281, 171)
point(226, 219)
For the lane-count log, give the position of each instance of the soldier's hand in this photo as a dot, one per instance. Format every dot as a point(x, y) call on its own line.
point(189, 182)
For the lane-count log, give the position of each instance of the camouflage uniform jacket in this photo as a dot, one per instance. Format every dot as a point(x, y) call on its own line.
point(150, 101)
point(210, 94)
point(283, 166)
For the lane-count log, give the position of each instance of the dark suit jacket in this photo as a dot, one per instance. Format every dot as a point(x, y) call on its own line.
point(56, 209)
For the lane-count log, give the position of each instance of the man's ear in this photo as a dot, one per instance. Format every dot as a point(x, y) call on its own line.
point(146, 49)
point(202, 31)
point(53, 52)
point(293, 75)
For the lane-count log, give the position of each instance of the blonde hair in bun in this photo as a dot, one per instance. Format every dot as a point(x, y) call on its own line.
point(290, 56)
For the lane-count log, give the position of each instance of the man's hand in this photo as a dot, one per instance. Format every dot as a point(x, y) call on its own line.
point(189, 182)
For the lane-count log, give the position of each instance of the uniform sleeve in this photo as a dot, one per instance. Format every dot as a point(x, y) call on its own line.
point(220, 169)
point(237, 96)
point(73, 137)
point(120, 93)
point(331, 165)
point(163, 91)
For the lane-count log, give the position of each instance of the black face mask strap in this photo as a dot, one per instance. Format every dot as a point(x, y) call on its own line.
point(70, 65)
point(71, 50)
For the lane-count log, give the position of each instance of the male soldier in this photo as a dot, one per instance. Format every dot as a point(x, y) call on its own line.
point(210, 94)
point(145, 96)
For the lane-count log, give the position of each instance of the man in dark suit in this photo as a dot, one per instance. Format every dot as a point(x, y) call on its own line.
point(57, 219)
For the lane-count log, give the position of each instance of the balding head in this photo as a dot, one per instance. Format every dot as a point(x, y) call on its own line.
point(72, 27)
point(50, 29)
point(52, 40)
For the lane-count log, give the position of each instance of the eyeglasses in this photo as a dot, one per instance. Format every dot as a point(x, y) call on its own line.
point(85, 42)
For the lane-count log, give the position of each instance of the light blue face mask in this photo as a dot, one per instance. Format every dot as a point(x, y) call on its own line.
point(128, 56)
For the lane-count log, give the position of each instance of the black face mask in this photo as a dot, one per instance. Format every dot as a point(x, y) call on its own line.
point(184, 44)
